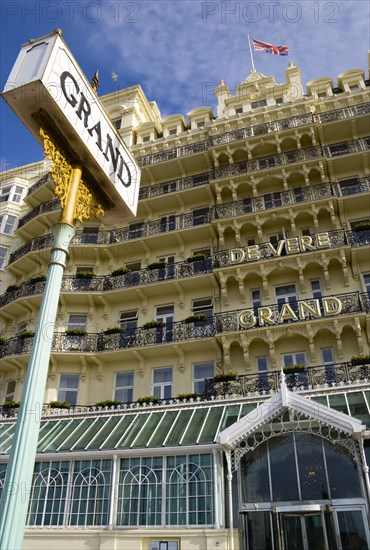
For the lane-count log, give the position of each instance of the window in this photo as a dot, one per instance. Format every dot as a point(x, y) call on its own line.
point(90, 234)
point(10, 390)
point(201, 371)
point(162, 383)
point(272, 200)
point(297, 358)
point(316, 289)
point(164, 545)
point(295, 379)
point(353, 87)
point(12, 193)
point(306, 231)
point(262, 368)
point(68, 388)
point(146, 138)
point(7, 222)
point(200, 215)
point(367, 283)
point(124, 387)
point(256, 299)
point(165, 314)
point(322, 94)
point(203, 305)
point(173, 131)
point(286, 294)
point(201, 124)
point(239, 110)
point(77, 321)
point(167, 223)
point(260, 103)
point(117, 123)
point(201, 252)
point(327, 356)
point(128, 320)
point(279, 100)
point(3, 253)
point(276, 237)
point(135, 230)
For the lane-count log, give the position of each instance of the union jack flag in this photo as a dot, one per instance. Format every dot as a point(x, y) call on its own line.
point(269, 48)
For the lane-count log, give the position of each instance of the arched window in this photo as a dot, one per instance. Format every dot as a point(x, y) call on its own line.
point(91, 487)
point(140, 492)
point(48, 496)
point(189, 490)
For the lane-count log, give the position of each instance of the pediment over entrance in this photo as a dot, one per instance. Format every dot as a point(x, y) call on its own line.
point(286, 400)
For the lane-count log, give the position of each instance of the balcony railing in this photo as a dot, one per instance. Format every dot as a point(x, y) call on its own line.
point(246, 385)
point(45, 178)
point(255, 130)
point(109, 282)
point(173, 223)
point(172, 332)
point(174, 186)
point(42, 208)
point(230, 321)
point(283, 159)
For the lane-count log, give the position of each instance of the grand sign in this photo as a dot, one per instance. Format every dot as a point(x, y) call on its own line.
point(46, 84)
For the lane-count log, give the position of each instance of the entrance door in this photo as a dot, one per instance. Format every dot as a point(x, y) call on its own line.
point(304, 532)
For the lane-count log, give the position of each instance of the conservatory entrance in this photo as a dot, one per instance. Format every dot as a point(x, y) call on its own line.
point(302, 476)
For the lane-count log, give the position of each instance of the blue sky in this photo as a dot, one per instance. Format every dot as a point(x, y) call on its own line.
point(178, 49)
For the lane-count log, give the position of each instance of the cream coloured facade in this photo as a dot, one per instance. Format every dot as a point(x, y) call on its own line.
point(249, 256)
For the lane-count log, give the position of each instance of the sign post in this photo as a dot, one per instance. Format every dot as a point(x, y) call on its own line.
point(51, 95)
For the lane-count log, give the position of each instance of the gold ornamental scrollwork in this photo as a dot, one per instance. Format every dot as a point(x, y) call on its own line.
point(61, 171)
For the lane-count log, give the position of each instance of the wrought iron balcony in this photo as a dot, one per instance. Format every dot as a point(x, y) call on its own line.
point(180, 331)
point(174, 186)
point(230, 321)
point(110, 282)
point(310, 378)
point(44, 179)
point(255, 130)
point(173, 223)
point(42, 208)
point(342, 113)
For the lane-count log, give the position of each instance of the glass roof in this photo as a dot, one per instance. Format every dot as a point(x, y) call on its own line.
point(162, 427)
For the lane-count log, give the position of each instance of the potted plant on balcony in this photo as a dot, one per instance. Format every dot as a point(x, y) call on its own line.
point(293, 369)
point(225, 376)
point(120, 271)
point(26, 334)
point(360, 359)
point(187, 396)
point(60, 405)
point(362, 226)
point(9, 408)
point(147, 399)
point(75, 332)
point(157, 265)
point(85, 275)
point(108, 403)
point(195, 258)
point(153, 324)
point(198, 317)
point(37, 279)
point(114, 330)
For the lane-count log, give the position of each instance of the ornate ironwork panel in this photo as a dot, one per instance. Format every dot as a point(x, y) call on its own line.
point(44, 179)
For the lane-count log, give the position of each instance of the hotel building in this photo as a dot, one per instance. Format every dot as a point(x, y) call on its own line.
point(214, 350)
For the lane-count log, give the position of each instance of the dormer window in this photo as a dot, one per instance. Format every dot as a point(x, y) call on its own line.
point(353, 87)
point(201, 124)
point(239, 110)
point(173, 131)
point(322, 94)
point(146, 138)
point(279, 100)
point(260, 103)
point(117, 123)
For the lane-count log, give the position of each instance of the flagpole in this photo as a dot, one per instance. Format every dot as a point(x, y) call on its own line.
point(250, 51)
